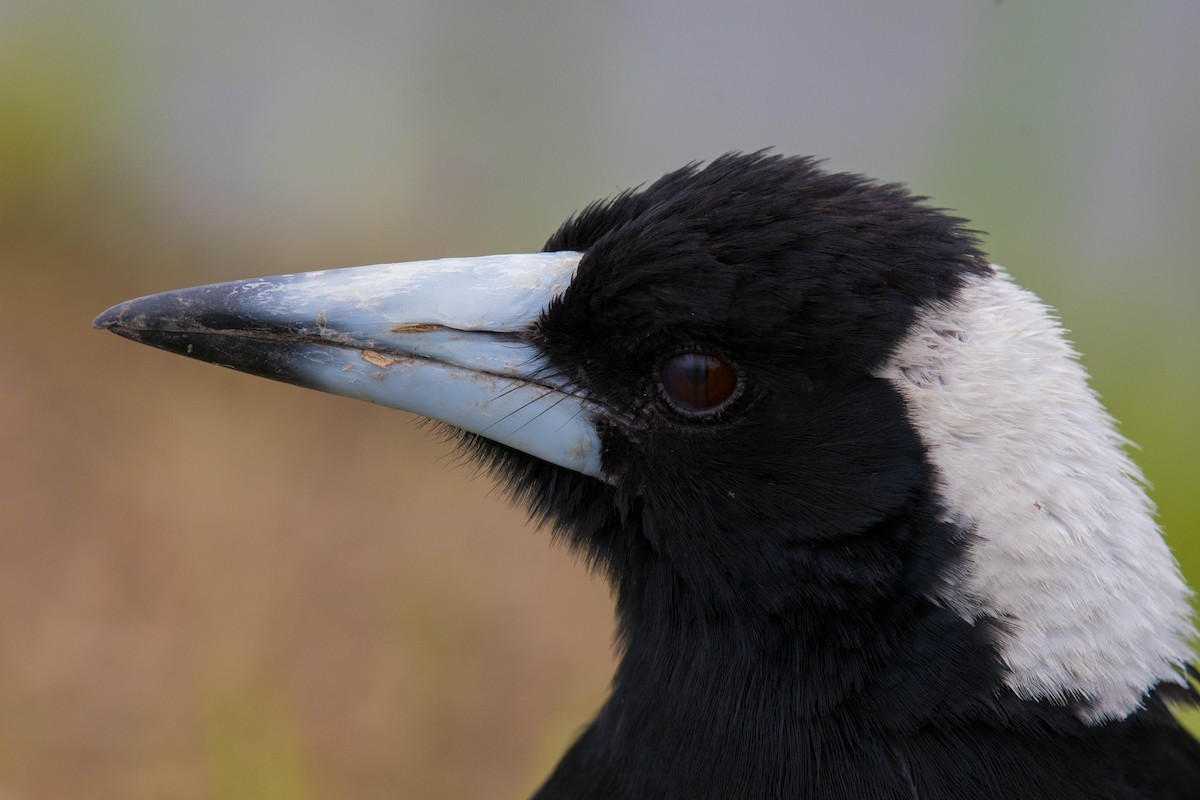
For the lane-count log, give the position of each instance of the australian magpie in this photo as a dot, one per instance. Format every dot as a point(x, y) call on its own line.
point(871, 535)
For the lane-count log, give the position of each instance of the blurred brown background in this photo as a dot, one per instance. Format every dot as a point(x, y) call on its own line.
point(212, 586)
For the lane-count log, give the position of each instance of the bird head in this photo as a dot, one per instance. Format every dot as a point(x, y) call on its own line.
point(795, 417)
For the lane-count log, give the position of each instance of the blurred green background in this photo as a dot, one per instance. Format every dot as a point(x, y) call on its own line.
point(212, 586)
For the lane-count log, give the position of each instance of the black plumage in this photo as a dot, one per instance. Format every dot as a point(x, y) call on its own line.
point(779, 556)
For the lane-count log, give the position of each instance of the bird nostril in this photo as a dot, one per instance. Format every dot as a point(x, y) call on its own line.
point(698, 384)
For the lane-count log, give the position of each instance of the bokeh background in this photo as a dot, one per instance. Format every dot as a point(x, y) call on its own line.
point(212, 586)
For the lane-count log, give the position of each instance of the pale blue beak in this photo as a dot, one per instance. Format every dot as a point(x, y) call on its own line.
point(446, 339)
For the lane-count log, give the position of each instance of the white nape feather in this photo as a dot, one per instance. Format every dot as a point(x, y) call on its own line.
point(1064, 548)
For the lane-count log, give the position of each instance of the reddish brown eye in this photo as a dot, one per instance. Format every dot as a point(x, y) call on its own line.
point(697, 383)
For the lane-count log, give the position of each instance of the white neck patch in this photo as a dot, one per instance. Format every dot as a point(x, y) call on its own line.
point(1065, 549)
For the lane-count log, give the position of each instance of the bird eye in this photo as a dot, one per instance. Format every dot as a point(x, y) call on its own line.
point(697, 383)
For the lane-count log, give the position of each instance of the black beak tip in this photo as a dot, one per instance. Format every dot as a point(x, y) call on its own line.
point(110, 318)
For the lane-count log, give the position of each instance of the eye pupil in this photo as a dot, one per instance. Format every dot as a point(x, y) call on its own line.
point(698, 382)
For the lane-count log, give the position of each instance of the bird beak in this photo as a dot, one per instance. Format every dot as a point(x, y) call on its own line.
point(447, 339)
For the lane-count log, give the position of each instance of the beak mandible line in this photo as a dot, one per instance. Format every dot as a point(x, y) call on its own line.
point(447, 339)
